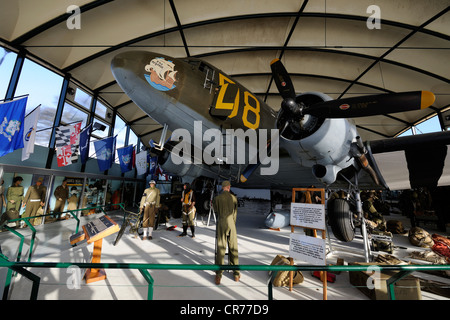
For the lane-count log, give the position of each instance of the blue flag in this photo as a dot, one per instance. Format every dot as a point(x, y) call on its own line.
point(84, 143)
point(125, 158)
point(12, 117)
point(153, 163)
point(105, 150)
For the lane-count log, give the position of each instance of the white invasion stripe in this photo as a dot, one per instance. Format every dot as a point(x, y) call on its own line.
point(394, 169)
point(444, 180)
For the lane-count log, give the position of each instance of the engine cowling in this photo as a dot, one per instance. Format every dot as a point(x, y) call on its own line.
point(319, 143)
point(165, 159)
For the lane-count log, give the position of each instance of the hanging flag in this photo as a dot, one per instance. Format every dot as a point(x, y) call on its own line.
point(29, 137)
point(12, 116)
point(152, 166)
point(125, 158)
point(68, 136)
point(105, 151)
point(85, 136)
point(64, 155)
point(141, 163)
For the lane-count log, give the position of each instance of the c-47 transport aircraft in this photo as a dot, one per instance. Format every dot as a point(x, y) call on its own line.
point(220, 130)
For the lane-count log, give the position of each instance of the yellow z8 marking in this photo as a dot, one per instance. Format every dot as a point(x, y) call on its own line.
point(251, 104)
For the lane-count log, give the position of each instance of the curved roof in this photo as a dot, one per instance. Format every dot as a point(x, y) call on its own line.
point(326, 46)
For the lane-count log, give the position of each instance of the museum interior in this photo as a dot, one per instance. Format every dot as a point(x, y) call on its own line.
point(92, 94)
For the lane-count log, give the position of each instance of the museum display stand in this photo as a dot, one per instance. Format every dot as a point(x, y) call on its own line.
point(94, 232)
point(308, 216)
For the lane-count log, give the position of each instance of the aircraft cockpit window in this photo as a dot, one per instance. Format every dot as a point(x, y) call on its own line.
point(206, 69)
point(193, 63)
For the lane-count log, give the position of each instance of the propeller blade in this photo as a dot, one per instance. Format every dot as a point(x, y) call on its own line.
point(282, 79)
point(372, 105)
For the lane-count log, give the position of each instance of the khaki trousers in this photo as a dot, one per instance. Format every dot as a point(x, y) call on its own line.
point(227, 235)
point(31, 210)
point(149, 216)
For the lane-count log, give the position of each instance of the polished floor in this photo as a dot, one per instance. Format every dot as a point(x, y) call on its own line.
point(257, 245)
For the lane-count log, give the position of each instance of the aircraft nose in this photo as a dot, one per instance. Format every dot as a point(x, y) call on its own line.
point(148, 78)
point(160, 71)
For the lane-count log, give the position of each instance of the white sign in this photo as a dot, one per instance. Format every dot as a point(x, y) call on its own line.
point(308, 249)
point(308, 215)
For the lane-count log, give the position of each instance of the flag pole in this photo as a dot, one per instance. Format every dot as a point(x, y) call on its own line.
point(13, 98)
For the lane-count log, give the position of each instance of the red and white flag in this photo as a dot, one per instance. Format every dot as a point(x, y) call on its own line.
point(67, 137)
point(64, 155)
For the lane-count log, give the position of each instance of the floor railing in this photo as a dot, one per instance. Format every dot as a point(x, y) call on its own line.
point(403, 270)
point(26, 220)
point(20, 267)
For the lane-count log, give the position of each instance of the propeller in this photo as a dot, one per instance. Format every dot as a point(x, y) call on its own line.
point(349, 107)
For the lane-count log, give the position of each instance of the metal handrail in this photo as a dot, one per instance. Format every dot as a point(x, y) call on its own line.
point(33, 230)
point(144, 267)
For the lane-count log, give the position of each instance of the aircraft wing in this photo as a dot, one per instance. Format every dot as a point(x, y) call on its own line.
point(413, 161)
point(400, 163)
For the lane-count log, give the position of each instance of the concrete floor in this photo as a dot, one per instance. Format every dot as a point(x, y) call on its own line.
point(257, 245)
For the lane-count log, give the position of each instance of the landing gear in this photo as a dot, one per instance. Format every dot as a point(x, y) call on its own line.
point(341, 219)
point(345, 215)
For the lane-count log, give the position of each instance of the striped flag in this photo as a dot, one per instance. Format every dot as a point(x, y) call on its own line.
point(67, 139)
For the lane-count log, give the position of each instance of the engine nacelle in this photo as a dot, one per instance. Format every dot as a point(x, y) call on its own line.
point(324, 146)
point(184, 169)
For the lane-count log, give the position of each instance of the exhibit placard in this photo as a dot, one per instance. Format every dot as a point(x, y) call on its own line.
point(309, 215)
point(308, 249)
point(100, 228)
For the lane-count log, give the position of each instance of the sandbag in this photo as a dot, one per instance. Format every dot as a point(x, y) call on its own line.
point(381, 241)
point(10, 215)
point(282, 277)
point(395, 226)
point(420, 238)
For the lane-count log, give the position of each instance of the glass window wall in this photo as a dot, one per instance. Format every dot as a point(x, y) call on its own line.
point(83, 99)
point(7, 61)
point(72, 114)
point(44, 88)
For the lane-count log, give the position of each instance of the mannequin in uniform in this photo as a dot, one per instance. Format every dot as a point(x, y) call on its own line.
point(14, 197)
point(188, 210)
point(34, 199)
point(149, 204)
point(225, 205)
point(61, 194)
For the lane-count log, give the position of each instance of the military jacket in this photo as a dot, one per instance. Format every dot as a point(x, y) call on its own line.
point(150, 196)
point(15, 193)
point(36, 193)
point(225, 205)
point(61, 192)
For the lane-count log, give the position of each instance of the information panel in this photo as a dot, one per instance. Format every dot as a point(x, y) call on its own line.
point(100, 228)
point(309, 249)
point(308, 215)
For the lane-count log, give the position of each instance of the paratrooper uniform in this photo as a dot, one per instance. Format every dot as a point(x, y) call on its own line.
point(225, 205)
point(61, 194)
point(188, 212)
point(33, 198)
point(149, 204)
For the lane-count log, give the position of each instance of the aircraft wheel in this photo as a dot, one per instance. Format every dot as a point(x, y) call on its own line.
point(341, 220)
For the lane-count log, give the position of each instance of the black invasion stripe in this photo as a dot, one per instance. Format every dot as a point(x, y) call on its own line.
point(425, 165)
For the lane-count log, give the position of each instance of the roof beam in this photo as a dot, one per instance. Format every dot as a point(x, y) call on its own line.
point(180, 27)
point(244, 17)
point(417, 29)
point(55, 21)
